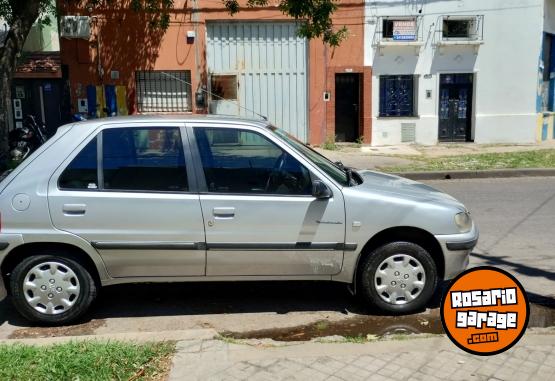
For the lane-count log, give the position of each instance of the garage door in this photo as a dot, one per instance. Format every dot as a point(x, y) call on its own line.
point(260, 67)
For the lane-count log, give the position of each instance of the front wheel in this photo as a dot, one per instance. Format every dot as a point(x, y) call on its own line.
point(398, 277)
point(51, 290)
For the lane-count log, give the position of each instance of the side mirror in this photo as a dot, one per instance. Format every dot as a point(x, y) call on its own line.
point(320, 190)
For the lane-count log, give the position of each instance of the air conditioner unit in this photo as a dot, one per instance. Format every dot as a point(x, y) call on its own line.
point(75, 27)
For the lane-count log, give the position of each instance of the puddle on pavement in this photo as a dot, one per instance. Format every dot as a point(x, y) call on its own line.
point(363, 325)
point(87, 328)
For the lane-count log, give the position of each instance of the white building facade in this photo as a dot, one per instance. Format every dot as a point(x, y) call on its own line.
point(459, 70)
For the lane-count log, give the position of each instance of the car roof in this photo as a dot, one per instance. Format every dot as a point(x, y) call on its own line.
point(202, 118)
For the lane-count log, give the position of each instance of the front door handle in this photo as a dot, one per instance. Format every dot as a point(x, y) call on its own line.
point(223, 212)
point(74, 209)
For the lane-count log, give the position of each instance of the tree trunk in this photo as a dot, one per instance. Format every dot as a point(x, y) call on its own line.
point(20, 26)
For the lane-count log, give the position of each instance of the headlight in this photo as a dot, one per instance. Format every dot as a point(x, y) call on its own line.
point(463, 222)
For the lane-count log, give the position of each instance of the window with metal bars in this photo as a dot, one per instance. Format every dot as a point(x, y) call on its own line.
point(397, 93)
point(163, 91)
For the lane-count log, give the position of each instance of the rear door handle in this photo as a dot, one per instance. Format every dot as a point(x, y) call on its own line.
point(74, 209)
point(223, 212)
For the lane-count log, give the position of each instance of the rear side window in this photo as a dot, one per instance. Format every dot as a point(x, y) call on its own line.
point(82, 172)
point(144, 159)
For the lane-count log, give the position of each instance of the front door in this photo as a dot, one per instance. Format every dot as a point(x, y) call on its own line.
point(128, 193)
point(347, 100)
point(455, 107)
point(259, 213)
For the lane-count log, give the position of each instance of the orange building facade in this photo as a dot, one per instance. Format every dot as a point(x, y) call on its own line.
point(201, 57)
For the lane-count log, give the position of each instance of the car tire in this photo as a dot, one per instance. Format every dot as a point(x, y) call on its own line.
point(392, 270)
point(58, 303)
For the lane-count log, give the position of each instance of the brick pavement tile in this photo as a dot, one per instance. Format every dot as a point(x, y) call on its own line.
point(520, 353)
point(329, 365)
point(189, 346)
point(487, 370)
point(537, 357)
point(547, 369)
point(385, 372)
point(504, 373)
point(357, 372)
point(334, 378)
point(311, 374)
point(263, 376)
point(378, 377)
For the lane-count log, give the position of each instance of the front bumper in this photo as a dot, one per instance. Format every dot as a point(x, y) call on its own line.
point(456, 251)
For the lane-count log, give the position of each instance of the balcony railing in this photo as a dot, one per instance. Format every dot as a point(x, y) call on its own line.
point(398, 31)
point(459, 30)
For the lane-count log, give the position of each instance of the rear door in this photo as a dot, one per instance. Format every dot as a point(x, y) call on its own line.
point(128, 191)
point(260, 216)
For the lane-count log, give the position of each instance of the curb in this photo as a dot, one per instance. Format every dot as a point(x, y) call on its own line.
point(478, 174)
point(139, 337)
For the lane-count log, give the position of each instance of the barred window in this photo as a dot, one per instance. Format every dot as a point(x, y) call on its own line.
point(397, 95)
point(164, 91)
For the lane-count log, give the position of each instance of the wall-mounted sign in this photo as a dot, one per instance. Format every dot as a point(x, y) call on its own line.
point(20, 92)
point(404, 30)
point(17, 110)
point(83, 105)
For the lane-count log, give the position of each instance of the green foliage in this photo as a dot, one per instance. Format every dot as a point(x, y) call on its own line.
point(329, 144)
point(87, 360)
point(314, 15)
point(157, 10)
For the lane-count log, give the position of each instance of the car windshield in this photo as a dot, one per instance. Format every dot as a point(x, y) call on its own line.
point(335, 171)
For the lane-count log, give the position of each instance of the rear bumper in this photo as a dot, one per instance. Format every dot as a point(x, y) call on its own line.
point(7, 243)
point(456, 251)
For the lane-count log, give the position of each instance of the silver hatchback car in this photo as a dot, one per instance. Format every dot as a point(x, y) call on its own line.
point(200, 198)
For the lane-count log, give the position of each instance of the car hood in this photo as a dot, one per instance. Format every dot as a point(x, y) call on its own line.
point(377, 182)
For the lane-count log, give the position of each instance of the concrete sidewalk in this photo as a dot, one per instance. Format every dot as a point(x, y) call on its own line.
point(432, 358)
point(369, 157)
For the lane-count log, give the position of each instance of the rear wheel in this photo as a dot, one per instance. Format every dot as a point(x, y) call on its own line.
point(52, 290)
point(398, 277)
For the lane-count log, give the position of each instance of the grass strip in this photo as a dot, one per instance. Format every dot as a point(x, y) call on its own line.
point(523, 159)
point(86, 360)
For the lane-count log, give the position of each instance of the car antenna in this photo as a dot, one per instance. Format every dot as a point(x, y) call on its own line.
point(216, 96)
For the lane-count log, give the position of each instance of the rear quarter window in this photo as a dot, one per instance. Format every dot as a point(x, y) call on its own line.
point(82, 172)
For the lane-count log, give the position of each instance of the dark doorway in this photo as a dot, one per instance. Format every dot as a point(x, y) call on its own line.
point(42, 98)
point(455, 107)
point(347, 106)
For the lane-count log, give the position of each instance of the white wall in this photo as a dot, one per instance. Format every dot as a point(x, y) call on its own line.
point(505, 67)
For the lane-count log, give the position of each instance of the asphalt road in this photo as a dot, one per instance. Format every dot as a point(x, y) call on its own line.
point(516, 218)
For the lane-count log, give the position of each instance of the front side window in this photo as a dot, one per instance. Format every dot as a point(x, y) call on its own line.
point(143, 159)
point(330, 168)
point(397, 93)
point(82, 172)
point(241, 161)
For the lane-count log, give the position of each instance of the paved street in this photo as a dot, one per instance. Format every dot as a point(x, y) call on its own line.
point(516, 220)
